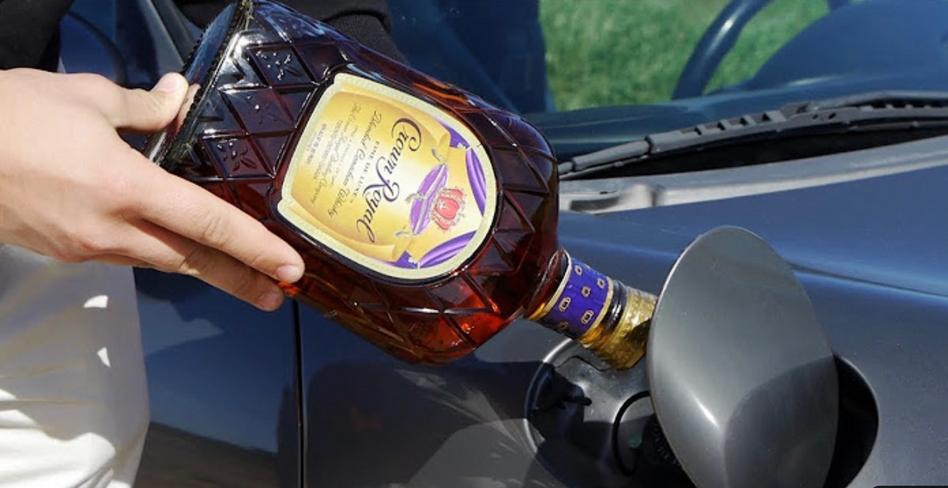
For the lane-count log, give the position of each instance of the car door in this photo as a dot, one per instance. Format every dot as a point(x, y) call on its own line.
point(501, 416)
point(222, 375)
point(222, 387)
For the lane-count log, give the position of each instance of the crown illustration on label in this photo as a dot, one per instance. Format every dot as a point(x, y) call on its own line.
point(434, 202)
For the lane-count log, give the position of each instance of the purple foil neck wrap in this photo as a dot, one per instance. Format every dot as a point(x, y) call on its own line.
point(580, 302)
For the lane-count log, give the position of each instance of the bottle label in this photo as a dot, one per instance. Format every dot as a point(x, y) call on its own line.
point(389, 181)
point(579, 303)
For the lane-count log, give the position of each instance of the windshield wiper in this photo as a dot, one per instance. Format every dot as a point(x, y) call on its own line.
point(796, 130)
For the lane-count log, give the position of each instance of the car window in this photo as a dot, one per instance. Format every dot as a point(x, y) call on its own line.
point(614, 52)
point(535, 56)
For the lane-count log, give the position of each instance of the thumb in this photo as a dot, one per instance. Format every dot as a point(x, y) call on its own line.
point(153, 110)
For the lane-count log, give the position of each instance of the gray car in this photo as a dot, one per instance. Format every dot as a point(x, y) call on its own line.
point(834, 152)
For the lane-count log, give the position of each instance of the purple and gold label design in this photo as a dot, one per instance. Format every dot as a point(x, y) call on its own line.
point(389, 181)
point(580, 302)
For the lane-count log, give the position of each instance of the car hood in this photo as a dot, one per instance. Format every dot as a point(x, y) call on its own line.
point(890, 231)
point(869, 253)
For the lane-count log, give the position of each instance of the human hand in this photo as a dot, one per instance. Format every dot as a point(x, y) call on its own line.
point(72, 189)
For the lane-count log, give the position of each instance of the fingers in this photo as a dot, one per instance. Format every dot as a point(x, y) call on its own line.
point(188, 101)
point(137, 110)
point(192, 212)
point(151, 111)
point(158, 248)
point(202, 235)
point(122, 260)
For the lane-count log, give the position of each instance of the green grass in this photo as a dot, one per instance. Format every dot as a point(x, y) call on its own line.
point(611, 52)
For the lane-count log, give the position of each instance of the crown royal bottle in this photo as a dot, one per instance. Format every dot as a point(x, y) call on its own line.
point(425, 216)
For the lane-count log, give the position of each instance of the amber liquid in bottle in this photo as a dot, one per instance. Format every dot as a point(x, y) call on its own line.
point(270, 76)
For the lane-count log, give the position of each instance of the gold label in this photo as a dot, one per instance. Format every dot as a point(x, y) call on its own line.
point(389, 181)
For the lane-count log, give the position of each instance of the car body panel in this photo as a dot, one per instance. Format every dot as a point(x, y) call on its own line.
point(222, 386)
point(870, 253)
point(872, 257)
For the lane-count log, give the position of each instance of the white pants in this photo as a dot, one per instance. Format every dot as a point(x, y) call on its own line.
point(73, 398)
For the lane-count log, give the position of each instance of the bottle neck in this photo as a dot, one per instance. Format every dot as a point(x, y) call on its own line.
point(603, 314)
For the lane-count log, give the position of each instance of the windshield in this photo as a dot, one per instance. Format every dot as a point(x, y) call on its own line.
point(605, 52)
point(594, 73)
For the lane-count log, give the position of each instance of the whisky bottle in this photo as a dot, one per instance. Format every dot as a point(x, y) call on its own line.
point(425, 216)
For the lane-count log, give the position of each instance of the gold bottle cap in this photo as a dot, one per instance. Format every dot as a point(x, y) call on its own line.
point(623, 345)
